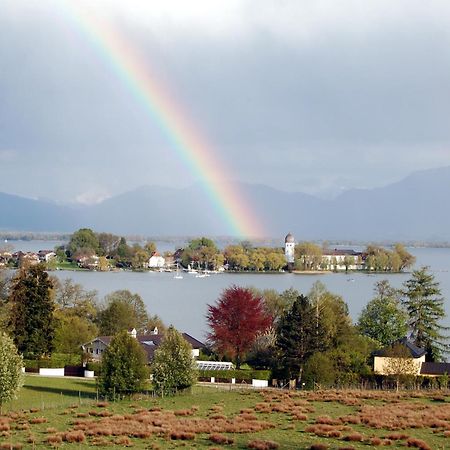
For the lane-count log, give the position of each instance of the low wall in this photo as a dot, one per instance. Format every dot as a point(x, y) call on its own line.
point(51, 372)
point(260, 383)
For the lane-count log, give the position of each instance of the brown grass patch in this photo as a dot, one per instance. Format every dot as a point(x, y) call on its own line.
point(318, 447)
point(124, 441)
point(397, 436)
point(74, 436)
point(221, 439)
point(184, 412)
point(327, 420)
point(182, 436)
point(100, 442)
point(37, 420)
point(260, 444)
point(11, 446)
point(354, 437)
point(54, 440)
point(417, 443)
point(102, 404)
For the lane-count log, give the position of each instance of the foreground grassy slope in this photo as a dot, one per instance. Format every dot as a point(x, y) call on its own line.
point(65, 413)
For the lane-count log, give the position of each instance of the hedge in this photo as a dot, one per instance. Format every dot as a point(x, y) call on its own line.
point(238, 374)
point(94, 366)
point(57, 360)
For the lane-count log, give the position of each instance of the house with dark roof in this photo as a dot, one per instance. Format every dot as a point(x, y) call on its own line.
point(149, 343)
point(427, 369)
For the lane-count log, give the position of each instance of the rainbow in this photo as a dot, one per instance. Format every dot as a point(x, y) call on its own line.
point(189, 144)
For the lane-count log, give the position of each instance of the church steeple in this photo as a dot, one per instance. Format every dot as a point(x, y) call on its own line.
point(289, 250)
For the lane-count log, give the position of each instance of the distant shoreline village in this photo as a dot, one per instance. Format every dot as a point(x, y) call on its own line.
point(88, 250)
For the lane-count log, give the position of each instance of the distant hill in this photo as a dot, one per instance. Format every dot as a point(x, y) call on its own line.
point(414, 208)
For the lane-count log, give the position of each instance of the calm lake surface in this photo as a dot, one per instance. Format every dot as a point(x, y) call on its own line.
point(183, 303)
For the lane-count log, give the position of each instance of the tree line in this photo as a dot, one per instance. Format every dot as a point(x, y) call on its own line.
point(109, 250)
point(311, 338)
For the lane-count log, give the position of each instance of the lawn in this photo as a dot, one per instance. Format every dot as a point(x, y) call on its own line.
point(64, 412)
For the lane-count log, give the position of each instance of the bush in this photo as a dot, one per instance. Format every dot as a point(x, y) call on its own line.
point(96, 367)
point(10, 369)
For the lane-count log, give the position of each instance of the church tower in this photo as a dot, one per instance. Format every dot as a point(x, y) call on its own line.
point(289, 251)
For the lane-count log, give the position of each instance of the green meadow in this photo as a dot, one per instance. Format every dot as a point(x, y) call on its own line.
point(66, 413)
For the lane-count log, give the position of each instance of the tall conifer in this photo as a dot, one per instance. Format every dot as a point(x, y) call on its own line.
point(32, 307)
point(298, 336)
point(425, 307)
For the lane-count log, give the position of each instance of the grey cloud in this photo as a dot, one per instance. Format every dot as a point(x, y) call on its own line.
point(315, 109)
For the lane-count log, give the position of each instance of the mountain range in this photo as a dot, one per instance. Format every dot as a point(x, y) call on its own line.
point(411, 209)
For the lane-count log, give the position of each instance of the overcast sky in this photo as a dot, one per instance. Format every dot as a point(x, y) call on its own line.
point(314, 96)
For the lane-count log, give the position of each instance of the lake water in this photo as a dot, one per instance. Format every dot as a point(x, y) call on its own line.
point(183, 303)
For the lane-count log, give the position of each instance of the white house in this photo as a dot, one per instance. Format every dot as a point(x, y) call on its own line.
point(156, 261)
point(382, 361)
point(46, 255)
point(336, 259)
point(382, 358)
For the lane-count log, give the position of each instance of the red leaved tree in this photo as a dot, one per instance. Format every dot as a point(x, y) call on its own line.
point(235, 321)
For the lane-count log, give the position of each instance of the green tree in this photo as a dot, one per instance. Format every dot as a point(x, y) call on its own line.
point(140, 257)
point(124, 369)
point(275, 304)
point(74, 299)
point(236, 257)
point(383, 319)
point(425, 307)
point(173, 366)
point(124, 310)
point(5, 282)
point(275, 260)
point(406, 259)
point(257, 259)
point(308, 256)
point(83, 241)
point(71, 332)
point(150, 248)
point(298, 336)
point(32, 310)
point(154, 321)
point(108, 243)
point(123, 252)
point(333, 323)
point(10, 369)
point(263, 353)
point(201, 251)
point(341, 366)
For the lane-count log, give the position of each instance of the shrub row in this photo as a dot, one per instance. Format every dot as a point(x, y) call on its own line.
point(238, 374)
point(57, 360)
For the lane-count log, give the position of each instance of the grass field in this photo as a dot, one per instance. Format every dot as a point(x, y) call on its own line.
point(64, 412)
